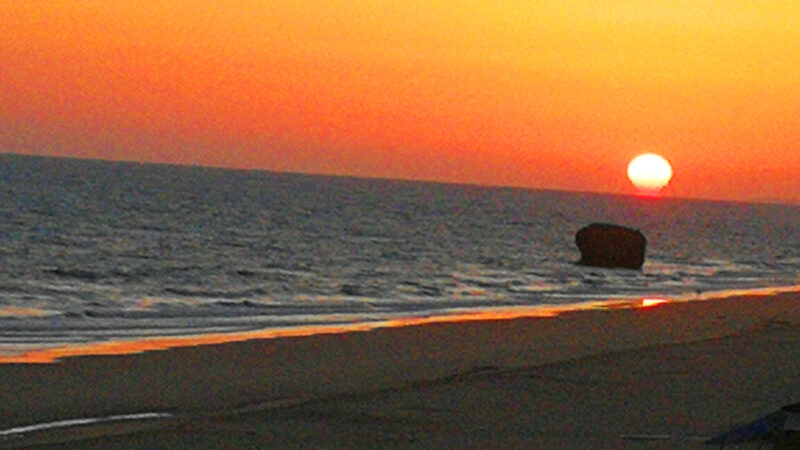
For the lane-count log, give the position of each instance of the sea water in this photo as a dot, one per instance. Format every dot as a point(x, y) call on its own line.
point(93, 250)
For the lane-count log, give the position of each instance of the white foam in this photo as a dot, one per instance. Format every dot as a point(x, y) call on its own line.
point(82, 421)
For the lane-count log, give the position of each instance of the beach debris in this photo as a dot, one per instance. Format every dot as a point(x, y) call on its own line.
point(781, 427)
point(610, 245)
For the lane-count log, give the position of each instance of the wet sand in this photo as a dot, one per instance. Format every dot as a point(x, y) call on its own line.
point(666, 376)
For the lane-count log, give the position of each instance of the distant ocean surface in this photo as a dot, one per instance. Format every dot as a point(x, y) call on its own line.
point(92, 250)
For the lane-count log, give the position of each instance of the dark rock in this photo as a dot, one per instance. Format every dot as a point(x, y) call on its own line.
point(608, 245)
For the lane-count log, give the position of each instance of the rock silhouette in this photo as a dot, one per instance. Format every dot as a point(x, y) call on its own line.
point(609, 245)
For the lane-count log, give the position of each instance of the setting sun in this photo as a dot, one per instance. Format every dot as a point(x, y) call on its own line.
point(649, 172)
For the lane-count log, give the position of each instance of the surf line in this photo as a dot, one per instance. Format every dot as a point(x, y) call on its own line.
point(82, 421)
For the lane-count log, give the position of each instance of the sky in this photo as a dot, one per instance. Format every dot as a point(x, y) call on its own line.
point(540, 94)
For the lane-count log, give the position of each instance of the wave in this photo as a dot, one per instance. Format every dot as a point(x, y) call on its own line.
point(81, 274)
point(215, 293)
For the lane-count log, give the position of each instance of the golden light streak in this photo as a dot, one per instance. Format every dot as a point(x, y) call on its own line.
point(126, 347)
point(649, 302)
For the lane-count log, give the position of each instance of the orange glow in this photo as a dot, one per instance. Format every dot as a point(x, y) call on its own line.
point(13, 311)
point(648, 302)
point(545, 95)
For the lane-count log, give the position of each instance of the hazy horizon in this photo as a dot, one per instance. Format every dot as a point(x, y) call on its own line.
point(665, 196)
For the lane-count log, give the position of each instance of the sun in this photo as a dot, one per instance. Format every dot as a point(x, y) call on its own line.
point(649, 173)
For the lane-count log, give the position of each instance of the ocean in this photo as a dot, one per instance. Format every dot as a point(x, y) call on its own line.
point(94, 251)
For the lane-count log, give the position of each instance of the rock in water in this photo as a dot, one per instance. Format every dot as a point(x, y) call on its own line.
point(608, 245)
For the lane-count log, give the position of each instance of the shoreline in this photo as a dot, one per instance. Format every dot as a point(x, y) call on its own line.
point(265, 381)
point(51, 353)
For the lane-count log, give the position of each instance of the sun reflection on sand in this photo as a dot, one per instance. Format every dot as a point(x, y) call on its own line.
point(648, 302)
point(127, 347)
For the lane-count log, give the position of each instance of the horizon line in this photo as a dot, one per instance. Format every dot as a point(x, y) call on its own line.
point(662, 196)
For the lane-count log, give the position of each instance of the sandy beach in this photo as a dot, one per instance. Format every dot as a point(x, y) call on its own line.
point(665, 376)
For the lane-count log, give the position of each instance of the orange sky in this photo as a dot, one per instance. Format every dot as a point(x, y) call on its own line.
point(542, 94)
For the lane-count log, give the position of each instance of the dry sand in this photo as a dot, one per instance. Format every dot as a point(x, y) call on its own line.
point(661, 377)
